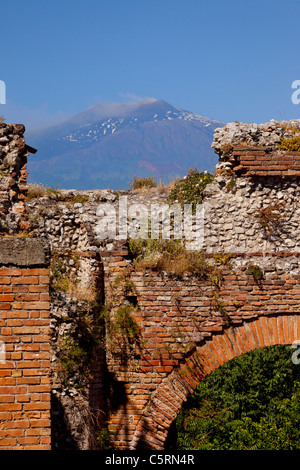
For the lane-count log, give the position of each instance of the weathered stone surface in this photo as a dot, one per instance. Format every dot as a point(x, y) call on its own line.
point(23, 252)
point(13, 175)
point(256, 135)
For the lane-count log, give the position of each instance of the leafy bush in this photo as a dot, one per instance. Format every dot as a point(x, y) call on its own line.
point(251, 402)
point(189, 189)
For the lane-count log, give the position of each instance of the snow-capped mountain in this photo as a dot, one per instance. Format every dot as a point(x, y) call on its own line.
point(106, 146)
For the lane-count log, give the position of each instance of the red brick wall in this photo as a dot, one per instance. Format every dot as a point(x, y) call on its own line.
point(188, 328)
point(152, 429)
point(25, 359)
point(258, 161)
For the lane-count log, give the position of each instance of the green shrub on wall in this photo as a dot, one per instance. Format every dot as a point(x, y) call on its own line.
point(189, 190)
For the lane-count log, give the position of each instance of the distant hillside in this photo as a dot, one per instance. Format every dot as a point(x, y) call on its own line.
point(107, 146)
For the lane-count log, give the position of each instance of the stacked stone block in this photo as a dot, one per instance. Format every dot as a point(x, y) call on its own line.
point(13, 178)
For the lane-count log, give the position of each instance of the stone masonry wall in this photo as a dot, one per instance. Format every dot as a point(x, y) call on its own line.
point(251, 217)
point(13, 178)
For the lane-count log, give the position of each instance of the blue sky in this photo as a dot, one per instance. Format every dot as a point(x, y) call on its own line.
point(227, 60)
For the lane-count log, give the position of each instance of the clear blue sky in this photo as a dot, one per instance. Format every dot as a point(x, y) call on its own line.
point(228, 60)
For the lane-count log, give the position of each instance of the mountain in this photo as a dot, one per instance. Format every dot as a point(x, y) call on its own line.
point(106, 146)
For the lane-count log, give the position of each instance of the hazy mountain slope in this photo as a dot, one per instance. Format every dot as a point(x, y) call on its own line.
point(107, 146)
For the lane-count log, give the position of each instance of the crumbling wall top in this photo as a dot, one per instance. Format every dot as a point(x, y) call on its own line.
point(267, 134)
point(13, 178)
point(271, 149)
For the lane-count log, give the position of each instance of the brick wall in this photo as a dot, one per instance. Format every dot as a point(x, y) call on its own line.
point(25, 345)
point(259, 161)
point(188, 328)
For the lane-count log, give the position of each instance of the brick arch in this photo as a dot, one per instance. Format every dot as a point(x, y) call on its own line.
point(166, 402)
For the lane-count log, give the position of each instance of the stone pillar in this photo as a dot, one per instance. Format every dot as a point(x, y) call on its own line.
point(13, 178)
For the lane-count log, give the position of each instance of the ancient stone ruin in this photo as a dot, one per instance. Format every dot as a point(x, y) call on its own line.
point(129, 340)
point(13, 178)
point(24, 308)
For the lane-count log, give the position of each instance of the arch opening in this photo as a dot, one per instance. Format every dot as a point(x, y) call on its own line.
point(250, 402)
point(166, 402)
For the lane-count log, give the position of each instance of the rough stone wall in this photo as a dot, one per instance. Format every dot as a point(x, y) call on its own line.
point(255, 135)
point(69, 228)
point(243, 215)
point(13, 178)
point(173, 314)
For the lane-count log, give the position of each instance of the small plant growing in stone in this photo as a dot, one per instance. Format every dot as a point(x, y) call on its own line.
point(168, 256)
point(219, 306)
point(126, 326)
point(189, 189)
point(291, 143)
point(76, 349)
point(35, 191)
point(223, 258)
point(256, 272)
point(227, 148)
point(142, 182)
point(58, 279)
point(52, 192)
point(269, 216)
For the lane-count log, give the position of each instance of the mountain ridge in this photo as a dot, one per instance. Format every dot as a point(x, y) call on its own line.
point(107, 145)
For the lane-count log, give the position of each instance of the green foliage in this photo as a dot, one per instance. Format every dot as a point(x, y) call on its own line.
point(72, 356)
point(80, 198)
point(102, 438)
point(256, 272)
point(223, 259)
point(251, 402)
point(189, 190)
point(52, 192)
point(143, 248)
point(122, 332)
